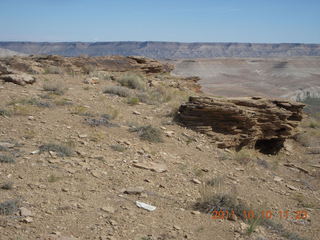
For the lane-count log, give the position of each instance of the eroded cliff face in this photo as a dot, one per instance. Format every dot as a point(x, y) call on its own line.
point(254, 122)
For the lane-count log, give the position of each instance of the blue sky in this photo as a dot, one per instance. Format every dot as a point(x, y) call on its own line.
point(263, 21)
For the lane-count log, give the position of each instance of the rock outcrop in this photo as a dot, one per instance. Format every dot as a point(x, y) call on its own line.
point(58, 64)
point(20, 78)
point(255, 122)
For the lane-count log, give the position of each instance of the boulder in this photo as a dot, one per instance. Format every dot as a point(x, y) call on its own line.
point(18, 78)
point(254, 122)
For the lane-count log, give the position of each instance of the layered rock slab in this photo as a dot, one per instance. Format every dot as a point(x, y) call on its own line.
point(254, 122)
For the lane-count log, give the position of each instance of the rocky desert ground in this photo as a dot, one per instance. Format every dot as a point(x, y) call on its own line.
point(113, 148)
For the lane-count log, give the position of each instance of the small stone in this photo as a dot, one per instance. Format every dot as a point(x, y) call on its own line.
point(134, 190)
point(156, 167)
point(27, 220)
point(196, 181)
point(169, 133)
point(292, 187)
point(108, 209)
point(195, 213)
point(277, 179)
point(35, 152)
point(24, 212)
point(175, 227)
point(136, 113)
point(232, 217)
point(64, 189)
point(31, 118)
point(83, 135)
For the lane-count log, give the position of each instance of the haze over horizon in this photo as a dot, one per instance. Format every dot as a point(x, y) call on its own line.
point(244, 21)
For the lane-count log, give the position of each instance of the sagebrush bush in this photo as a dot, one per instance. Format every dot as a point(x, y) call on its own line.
point(9, 207)
point(61, 150)
point(118, 90)
point(149, 133)
point(132, 81)
point(6, 159)
point(7, 186)
point(54, 88)
point(118, 148)
point(133, 101)
point(5, 113)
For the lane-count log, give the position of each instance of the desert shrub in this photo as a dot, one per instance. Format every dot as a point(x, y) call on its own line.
point(63, 102)
point(3, 149)
point(9, 207)
point(314, 123)
point(23, 110)
point(31, 101)
point(211, 201)
point(133, 101)
point(81, 111)
point(53, 70)
point(54, 88)
point(216, 181)
point(7, 186)
point(118, 148)
point(304, 139)
point(148, 133)
point(313, 106)
point(5, 113)
point(6, 159)
point(132, 81)
point(52, 178)
point(117, 90)
point(110, 113)
point(96, 122)
point(61, 150)
point(243, 156)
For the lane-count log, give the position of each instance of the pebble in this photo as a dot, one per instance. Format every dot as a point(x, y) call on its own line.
point(196, 181)
point(24, 212)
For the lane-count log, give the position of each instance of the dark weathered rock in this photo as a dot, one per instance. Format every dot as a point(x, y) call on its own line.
point(254, 122)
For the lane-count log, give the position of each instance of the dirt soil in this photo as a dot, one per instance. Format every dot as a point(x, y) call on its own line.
point(92, 193)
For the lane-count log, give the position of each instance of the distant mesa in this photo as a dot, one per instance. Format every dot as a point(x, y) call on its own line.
point(165, 50)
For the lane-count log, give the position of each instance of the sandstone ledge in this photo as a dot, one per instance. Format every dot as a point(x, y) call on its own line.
point(254, 122)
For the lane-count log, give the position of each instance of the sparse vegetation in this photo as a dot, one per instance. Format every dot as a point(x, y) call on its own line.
point(7, 186)
point(253, 224)
point(117, 90)
point(133, 101)
point(61, 150)
point(63, 102)
point(52, 178)
point(96, 122)
point(9, 207)
point(81, 111)
point(53, 70)
point(54, 88)
point(243, 156)
point(5, 113)
point(132, 81)
point(149, 133)
point(118, 148)
point(6, 159)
